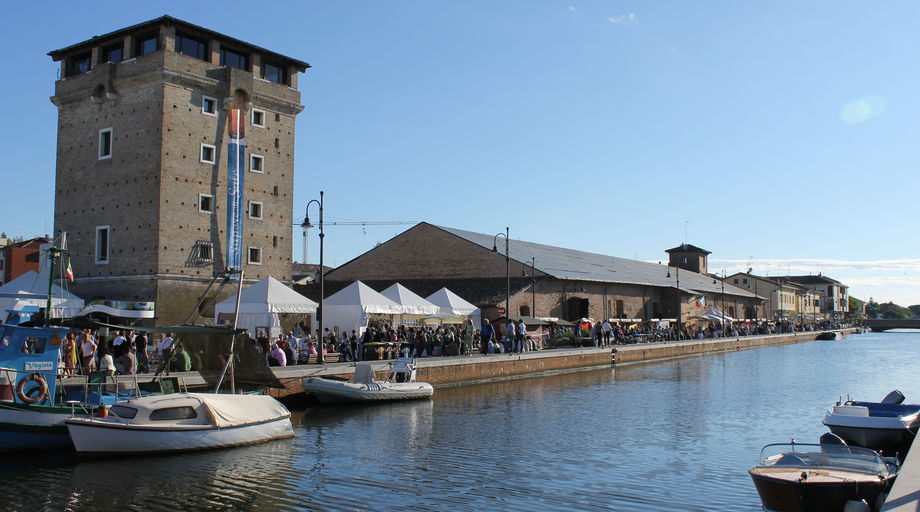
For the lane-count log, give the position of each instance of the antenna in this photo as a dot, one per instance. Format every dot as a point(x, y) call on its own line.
point(686, 223)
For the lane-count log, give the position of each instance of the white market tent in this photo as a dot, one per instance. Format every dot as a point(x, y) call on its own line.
point(261, 303)
point(712, 314)
point(451, 307)
point(414, 307)
point(30, 289)
point(451, 303)
point(351, 307)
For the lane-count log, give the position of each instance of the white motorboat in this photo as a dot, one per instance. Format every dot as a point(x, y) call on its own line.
point(400, 385)
point(888, 426)
point(798, 477)
point(181, 422)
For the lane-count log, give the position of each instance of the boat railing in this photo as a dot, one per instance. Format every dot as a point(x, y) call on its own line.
point(10, 379)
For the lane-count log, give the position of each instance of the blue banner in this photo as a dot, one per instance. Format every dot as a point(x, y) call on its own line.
point(236, 156)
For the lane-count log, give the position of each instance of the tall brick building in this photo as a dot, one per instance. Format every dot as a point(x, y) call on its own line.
point(142, 160)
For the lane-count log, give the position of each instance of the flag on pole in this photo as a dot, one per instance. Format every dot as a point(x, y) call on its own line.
point(69, 272)
point(701, 301)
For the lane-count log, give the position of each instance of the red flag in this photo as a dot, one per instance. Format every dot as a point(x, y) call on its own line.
point(69, 272)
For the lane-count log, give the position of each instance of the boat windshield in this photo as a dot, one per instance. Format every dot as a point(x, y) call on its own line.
point(826, 456)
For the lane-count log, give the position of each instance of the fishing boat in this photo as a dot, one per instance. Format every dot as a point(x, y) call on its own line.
point(888, 426)
point(798, 477)
point(399, 385)
point(829, 336)
point(182, 422)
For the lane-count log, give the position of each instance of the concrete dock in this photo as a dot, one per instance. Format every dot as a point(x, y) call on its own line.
point(459, 370)
point(905, 494)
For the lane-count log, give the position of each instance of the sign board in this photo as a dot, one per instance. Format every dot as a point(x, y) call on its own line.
point(38, 366)
point(501, 310)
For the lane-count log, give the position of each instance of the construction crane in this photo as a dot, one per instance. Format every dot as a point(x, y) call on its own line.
point(306, 224)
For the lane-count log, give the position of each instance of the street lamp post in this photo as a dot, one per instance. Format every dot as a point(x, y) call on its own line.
point(322, 291)
point(507, 270)
point(533, 286)
point(677, 288)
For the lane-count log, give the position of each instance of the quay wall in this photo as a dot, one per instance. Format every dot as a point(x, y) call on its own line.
point(452, 371)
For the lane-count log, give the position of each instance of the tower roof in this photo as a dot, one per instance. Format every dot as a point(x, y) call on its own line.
point(687, 248)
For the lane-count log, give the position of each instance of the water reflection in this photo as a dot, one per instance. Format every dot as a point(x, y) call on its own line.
point(673, 435)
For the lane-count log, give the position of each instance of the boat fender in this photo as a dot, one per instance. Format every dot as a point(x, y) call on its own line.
point(42, 388)
point(102, 412)
point(856, 506)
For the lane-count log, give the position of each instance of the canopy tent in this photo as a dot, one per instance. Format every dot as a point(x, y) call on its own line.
point(30, 289)
point(261, 303)
point(452, 304)
point(712, 314)
point(412, 304)
point(351, 307)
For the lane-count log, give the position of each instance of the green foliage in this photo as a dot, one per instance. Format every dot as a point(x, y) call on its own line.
point(914, 310)
point(892, 310)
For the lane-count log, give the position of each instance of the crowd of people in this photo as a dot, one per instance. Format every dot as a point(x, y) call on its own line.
point(608, 333)
point(121, 352)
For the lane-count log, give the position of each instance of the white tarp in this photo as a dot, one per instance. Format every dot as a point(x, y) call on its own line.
point(350, 308)
point(451, 303)
point(235, 410)
point(412, 304)
point(260, 304)
point(713, 314)
point(30, 289)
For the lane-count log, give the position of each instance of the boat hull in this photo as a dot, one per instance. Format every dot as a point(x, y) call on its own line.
point(99, 437)
point(33, 427)
point(792, 496)
point(334, 392)
point(886, 440)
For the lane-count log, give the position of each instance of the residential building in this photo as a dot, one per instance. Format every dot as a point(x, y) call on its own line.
point(151, 120)
point(20, 257)
point(835, 298)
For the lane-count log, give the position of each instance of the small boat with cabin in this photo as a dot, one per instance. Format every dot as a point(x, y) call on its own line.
point(830, 476)
point(888, 426)
point(399, 385)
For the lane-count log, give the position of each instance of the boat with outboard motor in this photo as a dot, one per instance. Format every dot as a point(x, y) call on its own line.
point(399, 385)
point(799, 477)
point(888, 426)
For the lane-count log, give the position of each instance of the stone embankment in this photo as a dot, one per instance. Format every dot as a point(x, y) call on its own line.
point(452, 371)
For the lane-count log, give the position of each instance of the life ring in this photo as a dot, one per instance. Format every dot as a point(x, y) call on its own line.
point(42, 388)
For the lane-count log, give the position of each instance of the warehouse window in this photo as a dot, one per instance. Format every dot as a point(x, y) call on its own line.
point(105, 143)
point(102, 244)
point(207, 153)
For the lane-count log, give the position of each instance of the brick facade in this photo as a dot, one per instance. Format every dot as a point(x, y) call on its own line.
point(147, 192)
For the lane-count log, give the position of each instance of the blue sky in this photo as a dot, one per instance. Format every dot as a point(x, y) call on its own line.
point(778, 135)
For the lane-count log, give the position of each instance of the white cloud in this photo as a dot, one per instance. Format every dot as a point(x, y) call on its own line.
point(572, 8)
point(863, 109)
point(624, 19)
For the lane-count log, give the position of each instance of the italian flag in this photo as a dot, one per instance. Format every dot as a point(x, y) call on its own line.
point(69, 271)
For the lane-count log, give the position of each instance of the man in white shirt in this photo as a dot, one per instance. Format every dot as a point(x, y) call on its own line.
point(119, 344)
point(164, 345)
point(521, 339)
point(605, 329)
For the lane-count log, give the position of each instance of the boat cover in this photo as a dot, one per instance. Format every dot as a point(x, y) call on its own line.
point(233, 410)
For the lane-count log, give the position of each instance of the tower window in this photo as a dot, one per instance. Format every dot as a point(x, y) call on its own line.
point(254, 255)
point(232, 59)
point(114, 53)
point(147, 45)
point(102, 245)
point(256, 163)
point(209, 106)
point(274, 73)
point(255, 210)
point(207, 153)
point(205, 251)
point(205, 203)
point(258, 118)
point(105, 143)
point(79, 64)
point(191, 47)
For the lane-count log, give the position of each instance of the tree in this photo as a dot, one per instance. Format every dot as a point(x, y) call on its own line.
point(891, 310)
point(872, 309)
point(914, 310)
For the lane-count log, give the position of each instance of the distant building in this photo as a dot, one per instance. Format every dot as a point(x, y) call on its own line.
point(146, 118)
point(786, 297)
point(18, 258)
point(545, 281)
point(835, 298)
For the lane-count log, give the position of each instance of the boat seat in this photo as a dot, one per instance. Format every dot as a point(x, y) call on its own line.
point(851, 410)
point(364, 374)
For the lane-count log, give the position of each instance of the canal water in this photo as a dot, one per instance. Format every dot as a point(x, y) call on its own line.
point(670, 435)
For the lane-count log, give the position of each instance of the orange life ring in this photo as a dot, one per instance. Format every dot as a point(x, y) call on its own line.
point(42, 388)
